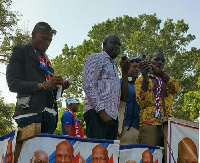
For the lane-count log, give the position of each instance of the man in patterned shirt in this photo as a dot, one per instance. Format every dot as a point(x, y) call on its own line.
point(154, 91)
point(103, 90)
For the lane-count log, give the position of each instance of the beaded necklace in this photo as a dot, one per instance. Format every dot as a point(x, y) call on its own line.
point(157, 96)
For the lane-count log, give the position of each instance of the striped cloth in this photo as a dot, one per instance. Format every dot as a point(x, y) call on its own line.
point(101, 84)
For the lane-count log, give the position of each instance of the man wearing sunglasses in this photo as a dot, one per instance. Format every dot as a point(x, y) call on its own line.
point(30, 75)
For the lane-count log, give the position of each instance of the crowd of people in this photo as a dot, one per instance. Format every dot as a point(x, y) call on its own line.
point(148, 98)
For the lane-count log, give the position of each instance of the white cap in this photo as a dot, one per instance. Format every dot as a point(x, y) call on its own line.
point(71, 101)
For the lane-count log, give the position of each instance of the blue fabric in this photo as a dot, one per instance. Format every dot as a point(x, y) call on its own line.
point(68, 119)
point(132, 108)
point(130, 146)
point(73, 140)
point(8, 135)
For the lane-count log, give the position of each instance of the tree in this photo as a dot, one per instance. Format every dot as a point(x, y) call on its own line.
point(139, 35)
point(9, 35)
point(19, 38)
point(6, 122)
point(8, 18)
point(192, 102)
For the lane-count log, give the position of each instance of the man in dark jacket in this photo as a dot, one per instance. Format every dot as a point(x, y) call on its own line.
point(30, 75)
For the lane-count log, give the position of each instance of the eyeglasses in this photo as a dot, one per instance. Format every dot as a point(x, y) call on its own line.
point(53, 31)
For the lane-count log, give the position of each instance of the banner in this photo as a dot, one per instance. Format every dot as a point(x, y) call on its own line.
point(50, 148)
point(7, 147)
point(183, 141)
point(139, 153)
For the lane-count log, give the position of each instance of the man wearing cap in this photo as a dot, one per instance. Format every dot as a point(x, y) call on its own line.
point(71, 125)
point(30, 75)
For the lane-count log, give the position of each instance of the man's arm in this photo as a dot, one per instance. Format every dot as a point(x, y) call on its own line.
point(67, 121)
point(172, 85)
point(92, 69)
point(68, 130)
point(15, 73)
point(125, 65)
point(142, 85)
point(143, 66)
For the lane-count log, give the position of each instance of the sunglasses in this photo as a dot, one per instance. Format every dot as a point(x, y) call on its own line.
point(53, 31)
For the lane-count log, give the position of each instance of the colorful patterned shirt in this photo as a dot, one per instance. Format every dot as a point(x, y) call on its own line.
point(145, 95)
point(101, 84)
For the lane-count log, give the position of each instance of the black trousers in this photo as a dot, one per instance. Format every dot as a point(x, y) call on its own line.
point(95, 128)
point(48, 121)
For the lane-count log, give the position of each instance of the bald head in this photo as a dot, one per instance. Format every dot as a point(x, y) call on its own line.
point(156, 54)
point(64, 152)
point(187, 151)
point(147, 157)
point(99, 153)
point(40, 156)
point(111, 45)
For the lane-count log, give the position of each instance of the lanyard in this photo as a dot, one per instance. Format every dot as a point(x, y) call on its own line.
point(157, 96)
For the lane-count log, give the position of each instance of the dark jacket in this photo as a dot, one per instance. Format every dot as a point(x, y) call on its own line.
point(23, 75)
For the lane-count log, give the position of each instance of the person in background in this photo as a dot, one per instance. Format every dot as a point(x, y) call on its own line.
point(130, 131)
point(71, 125)
point(154, 91)
point(102, 88)
point(30, 75)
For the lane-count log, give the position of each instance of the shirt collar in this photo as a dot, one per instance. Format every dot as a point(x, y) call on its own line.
point(112, 60)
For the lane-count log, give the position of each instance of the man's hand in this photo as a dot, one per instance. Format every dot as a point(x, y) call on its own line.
point(156, 69)
point(55, 80)
point(65, 85)
point(143, 66)
point(125, 65)
point(106, 119)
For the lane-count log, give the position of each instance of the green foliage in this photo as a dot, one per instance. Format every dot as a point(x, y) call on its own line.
point(79, 115)
point(8, 18)
point(19, 38)
point(9, 35)
point(6, 113)
point(139, 35)
point(58, 130)
point(192, 102)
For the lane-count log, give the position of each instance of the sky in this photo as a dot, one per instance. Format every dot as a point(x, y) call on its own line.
point(73, 19)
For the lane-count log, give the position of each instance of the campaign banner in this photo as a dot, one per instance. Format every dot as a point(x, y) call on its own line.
point(7, 147)
point(183, 141)
point(139, 153)
point(48, 148)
